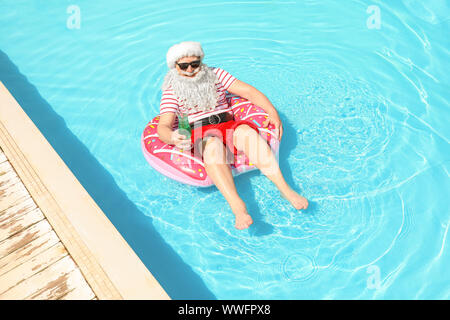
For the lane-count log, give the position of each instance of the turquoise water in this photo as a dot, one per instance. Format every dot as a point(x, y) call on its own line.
point(364, 103)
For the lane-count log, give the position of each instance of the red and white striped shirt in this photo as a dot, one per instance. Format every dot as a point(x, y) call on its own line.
point(171, 103)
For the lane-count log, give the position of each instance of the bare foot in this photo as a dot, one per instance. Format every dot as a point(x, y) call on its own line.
point(243, 219)
point(297, 201)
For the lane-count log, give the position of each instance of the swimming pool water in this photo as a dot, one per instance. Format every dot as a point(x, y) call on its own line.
point(363, 98)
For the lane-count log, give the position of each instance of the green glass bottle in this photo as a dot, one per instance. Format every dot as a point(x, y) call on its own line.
point(183, 125)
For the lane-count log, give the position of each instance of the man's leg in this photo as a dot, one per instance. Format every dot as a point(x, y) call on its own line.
point(257, 150)
point(217, 168)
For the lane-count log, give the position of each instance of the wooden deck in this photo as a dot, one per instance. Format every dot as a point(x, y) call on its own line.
point(34, 264)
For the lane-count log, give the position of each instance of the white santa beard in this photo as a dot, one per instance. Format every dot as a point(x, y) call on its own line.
point(198, 93)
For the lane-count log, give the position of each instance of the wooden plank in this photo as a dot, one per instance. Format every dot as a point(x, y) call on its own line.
point(14, 223)
point(26, 205)
point(81, 289)
point(8, 178)
point(5, 166)
point(50, 283)
point(71, 285)
point(7, 172)
point(32, 266)
point(28, 251)
point(11, 191)
point(7, 175)
point(2, 157)
point(20, 239)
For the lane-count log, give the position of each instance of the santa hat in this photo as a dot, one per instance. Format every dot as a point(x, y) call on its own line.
point(183, 49)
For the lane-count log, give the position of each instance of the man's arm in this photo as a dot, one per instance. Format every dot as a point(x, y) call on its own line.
point(167, 135)
point(249, 92)
point(165, 125)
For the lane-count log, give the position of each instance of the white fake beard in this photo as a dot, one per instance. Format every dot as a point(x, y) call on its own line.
point(198, 93)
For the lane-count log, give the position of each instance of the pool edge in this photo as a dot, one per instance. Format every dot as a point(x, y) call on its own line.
point(107, 262)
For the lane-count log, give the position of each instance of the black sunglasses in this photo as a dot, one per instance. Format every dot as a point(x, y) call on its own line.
point(194, 64)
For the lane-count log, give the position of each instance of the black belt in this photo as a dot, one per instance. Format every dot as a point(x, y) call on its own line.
point(212, 119)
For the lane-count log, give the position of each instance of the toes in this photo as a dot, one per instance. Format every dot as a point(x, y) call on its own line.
point(243, 224)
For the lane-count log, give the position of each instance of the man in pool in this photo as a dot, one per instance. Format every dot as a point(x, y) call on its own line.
point(192, 87)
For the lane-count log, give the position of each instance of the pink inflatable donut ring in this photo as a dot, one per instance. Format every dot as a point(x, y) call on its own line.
point(183, 166)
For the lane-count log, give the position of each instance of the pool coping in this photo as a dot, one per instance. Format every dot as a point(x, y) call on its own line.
point(109, 265)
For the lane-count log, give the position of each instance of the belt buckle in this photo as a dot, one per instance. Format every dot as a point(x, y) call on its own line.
point(214, 119)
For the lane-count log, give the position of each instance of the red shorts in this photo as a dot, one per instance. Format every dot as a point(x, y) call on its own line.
point(222, 130)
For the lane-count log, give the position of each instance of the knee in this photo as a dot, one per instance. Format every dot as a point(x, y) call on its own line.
point(214, 151)
point(242, 135)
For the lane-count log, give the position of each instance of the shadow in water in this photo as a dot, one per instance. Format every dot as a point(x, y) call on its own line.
point(288, 143)
point(176, 277)
point(245, 191)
